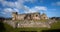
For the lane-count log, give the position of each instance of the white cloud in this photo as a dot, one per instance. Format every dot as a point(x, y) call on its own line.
point(32, 1)
point(10, 10)
point(40, 8)
point(16, 10)
point(41, 1)
point(56, 4)
point(16, 4)
point(19, 5)
point(1, 0)
point(3, 12)
point(35, 9)
point(10, 4)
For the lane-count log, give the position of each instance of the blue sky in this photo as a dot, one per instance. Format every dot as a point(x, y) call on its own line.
point(50, 7)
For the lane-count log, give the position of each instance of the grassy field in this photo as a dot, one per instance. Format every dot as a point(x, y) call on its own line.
point(56, 25)
point(8, 28)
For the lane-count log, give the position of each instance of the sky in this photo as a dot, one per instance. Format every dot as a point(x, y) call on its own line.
point(50, 7)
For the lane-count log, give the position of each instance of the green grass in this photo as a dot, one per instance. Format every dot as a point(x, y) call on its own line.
point(33, 20)
point(8, 28)
point(11, 29)
point(56, 25)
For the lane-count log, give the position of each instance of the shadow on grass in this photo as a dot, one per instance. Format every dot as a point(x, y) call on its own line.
point(2, 28)
point(52, 30)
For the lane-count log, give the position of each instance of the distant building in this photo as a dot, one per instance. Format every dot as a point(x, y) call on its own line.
point(29, 16)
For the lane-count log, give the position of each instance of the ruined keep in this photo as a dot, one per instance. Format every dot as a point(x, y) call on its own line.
point(29, 16)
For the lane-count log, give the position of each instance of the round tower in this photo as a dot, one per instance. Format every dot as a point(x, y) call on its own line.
point(14, 15)
point(44, 16)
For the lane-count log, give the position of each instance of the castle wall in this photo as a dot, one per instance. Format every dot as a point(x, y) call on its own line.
point(21, 17)
point(31, 16)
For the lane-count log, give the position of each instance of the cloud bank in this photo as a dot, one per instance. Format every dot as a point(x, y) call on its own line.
point(56, 3)
point(19, 4)
point(35, 9)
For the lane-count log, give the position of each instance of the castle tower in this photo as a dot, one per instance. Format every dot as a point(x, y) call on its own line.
point(14, 15)
point(36, 16)
point(44, 16)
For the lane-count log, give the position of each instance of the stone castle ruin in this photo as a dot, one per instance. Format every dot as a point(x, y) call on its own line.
point(29, 16)
point(28, 20)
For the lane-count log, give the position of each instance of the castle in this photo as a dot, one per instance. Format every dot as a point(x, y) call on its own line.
point(29, 16)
